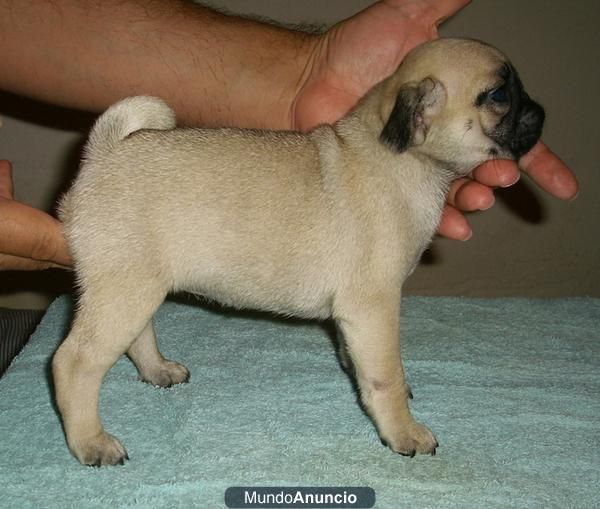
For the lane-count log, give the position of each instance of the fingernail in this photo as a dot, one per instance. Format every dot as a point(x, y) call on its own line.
point(513, 182)
point(490, 205)
point(467, 236)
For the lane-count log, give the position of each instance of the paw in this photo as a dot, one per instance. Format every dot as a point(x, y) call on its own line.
point(101, 450)
point(167, 374)
point(410, 439)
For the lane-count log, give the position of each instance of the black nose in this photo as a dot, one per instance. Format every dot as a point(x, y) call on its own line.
point(528, 129)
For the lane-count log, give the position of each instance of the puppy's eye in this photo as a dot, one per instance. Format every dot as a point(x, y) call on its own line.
point(499, 95)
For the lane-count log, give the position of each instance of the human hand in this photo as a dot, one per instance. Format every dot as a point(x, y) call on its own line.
point(359, 52)
point(471, 194)
point(29, 238)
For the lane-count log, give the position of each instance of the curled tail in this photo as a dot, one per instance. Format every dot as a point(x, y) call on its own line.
point(124, 118)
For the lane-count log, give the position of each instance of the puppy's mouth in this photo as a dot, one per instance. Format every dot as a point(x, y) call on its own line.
point(499, 153)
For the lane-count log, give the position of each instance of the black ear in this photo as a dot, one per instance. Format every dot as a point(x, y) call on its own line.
point(415, 107)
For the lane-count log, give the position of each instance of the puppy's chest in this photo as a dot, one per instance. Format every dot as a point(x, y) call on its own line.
point(402, 228)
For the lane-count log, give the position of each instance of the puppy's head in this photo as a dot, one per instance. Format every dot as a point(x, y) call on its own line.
point(461, 103)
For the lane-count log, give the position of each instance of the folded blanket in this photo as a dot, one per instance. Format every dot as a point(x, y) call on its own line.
point(511, 387)
point(16, 325)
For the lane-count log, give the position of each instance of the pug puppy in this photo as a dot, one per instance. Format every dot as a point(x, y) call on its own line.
point(324, 224)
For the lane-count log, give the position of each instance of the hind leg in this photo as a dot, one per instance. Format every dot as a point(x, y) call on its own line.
point(106, 324)
point(151, 365)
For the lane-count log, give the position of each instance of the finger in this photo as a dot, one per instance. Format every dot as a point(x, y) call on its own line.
point(468, 195)
point(10, 262)
point(30, 233)
point(497, 173)
point(433, 12)
point(549, 172)
point(454, 225)
point(6, 181)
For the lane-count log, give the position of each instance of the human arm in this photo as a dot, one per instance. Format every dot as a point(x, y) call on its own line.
point(211, 68)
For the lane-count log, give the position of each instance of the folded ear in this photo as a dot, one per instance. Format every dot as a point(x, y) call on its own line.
point(415, 108)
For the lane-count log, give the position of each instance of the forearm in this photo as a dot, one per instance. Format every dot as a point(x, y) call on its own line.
point(213, 69)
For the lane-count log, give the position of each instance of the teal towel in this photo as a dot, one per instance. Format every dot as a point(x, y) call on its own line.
point(511, 387)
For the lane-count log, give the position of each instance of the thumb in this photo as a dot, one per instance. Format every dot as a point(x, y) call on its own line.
point(549, 172)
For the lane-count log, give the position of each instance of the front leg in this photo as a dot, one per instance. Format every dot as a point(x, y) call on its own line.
point(371, 329)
